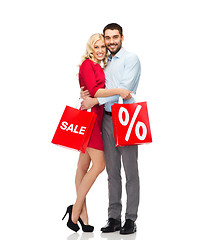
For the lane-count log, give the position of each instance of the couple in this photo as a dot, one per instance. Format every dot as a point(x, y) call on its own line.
point(121, 77)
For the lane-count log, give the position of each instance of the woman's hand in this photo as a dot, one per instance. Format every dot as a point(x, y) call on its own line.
point(84, 94)
point(125, 94)
point(88, 103)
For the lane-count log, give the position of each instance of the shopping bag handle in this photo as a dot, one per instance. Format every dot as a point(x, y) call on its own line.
point(120, 100)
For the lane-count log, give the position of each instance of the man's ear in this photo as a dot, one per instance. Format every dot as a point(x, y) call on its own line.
point(122, 37)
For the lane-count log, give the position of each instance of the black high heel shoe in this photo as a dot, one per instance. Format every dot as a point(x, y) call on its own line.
point(86, 228)
point(70, 223)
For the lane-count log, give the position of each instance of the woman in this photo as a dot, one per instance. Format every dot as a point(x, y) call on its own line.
point(92, 78)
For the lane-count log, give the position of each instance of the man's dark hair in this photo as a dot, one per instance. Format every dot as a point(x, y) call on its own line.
point(113, 26)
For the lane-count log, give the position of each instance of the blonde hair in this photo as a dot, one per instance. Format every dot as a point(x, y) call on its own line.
point(90, 47)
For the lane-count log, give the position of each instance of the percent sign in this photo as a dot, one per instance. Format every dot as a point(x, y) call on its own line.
point(138, 125)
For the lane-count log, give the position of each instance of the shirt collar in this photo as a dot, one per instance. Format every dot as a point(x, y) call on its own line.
point(118, 55)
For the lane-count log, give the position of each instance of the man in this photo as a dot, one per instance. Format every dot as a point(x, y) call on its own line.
point(123, 71)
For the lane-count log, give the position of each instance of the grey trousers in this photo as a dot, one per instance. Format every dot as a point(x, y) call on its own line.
point(113, 156)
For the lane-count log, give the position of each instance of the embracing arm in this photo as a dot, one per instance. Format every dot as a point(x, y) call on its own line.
point(124, 93)
point(93, 90)
point(130, 80)
point(89, 102)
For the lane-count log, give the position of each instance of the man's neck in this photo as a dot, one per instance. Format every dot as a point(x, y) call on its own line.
point(113, 54)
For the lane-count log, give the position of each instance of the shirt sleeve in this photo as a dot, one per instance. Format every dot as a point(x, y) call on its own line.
point(103, 100)
point(88, 77)
point(130, 79)
point(131, 75)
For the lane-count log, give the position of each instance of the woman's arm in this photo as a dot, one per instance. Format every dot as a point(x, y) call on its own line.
point(89, 102)
point(124, 93)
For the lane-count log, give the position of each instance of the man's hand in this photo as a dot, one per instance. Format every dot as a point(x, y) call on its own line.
point(88, 103)
point(84, 94)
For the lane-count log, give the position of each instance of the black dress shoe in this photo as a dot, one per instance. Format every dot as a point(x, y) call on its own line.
point(129, 227)
point(112, 225)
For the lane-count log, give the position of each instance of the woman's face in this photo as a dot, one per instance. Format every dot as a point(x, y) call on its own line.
point(99, 50)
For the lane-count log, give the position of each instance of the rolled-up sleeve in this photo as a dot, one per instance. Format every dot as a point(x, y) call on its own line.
point(88, 77)
point(103, 100)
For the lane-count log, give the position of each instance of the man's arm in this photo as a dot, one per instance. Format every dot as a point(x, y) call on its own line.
point(130, 80)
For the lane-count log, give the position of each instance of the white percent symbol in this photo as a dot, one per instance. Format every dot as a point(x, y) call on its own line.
point(138, 125)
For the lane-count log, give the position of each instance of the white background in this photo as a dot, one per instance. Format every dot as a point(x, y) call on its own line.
point(41, 45)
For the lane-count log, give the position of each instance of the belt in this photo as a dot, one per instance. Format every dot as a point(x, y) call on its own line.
point(108, 113)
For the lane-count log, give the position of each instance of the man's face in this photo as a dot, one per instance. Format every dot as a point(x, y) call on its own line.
point(113, 41)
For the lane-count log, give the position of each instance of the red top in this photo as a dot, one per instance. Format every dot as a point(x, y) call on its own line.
point(92, 77)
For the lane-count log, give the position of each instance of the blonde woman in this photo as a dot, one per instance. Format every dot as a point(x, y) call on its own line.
point(92, 78)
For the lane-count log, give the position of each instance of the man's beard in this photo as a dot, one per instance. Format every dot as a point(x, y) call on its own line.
point(116, 50)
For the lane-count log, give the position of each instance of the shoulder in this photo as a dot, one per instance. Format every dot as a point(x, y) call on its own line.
point(87, 62)
point(87, 65)
point(130, 56)
point(131, 60)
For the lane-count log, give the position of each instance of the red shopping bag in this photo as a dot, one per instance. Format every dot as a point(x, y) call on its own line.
point(131, 124)
point(74, 129)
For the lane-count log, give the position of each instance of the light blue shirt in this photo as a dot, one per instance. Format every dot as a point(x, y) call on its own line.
point(123, 71)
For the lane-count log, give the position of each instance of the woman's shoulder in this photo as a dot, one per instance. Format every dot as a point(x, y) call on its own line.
point(87, 62)
point(88, 65)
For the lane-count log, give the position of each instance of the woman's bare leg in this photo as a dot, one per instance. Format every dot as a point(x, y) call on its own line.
point(98, 165)
point(82, 168)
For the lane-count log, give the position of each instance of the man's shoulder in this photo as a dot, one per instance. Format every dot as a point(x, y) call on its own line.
point(130, 56)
